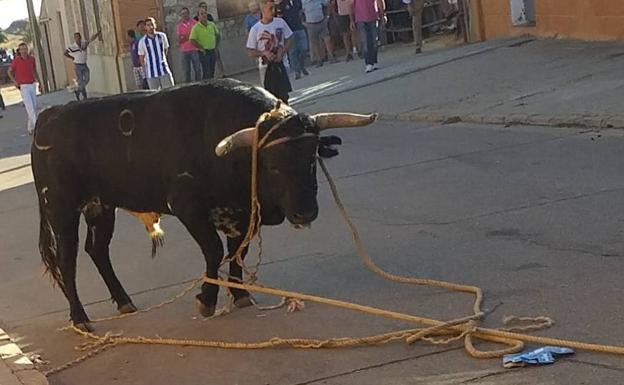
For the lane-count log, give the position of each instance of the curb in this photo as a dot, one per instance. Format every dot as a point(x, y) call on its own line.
point(15, 367)
point(571, 120)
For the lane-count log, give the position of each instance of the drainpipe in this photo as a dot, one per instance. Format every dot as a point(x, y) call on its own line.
point(117, 50)
point(480, 20)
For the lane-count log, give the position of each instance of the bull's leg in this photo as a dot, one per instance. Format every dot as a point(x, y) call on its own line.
point(241, 297)
point(65, 225)
point(99, 234)
point(205, 234)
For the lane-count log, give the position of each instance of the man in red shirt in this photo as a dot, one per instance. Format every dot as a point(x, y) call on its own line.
point(190, 54)
point(23, 73)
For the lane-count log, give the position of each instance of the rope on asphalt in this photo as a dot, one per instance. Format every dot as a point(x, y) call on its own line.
point(435, 331)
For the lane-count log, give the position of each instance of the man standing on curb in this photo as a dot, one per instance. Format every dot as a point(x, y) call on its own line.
point(254, 15)
point(365, 16)
point(205, 37)
point(190, 55)
point(23, 73)
point(349, 36)
point(78, 53)
point(318, 30)
point(153, 49)
point(137, 69)
point(268, 42)
point(290, 11)
point(415, 9)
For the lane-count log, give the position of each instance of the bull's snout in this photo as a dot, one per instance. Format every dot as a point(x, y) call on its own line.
point(304, 218)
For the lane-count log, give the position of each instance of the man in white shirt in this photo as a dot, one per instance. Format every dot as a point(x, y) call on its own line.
point(78, 53)
point(268, 42)
point(153, 49)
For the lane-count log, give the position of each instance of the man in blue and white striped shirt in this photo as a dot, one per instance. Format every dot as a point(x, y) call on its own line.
point(153, 49)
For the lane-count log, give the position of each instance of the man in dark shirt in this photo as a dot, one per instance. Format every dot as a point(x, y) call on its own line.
point(137, 69)
point(290, 11)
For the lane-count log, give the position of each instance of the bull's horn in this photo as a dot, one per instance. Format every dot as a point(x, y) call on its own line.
point(342, 119)
point(242, 138)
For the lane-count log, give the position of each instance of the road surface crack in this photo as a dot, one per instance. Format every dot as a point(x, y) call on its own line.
point(376, 366)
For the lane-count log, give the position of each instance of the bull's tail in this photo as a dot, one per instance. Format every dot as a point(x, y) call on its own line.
point(47, 244)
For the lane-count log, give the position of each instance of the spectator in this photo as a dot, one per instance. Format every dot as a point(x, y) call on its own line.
point(78, 53)
point(203, 5)
point(219, 63)
point(290, 11)
point(349, 35)
point(415, 8)
point(268, 41)
point(253, 17)
point(153, 48)
point(365, 15)
point(23, 73)
point(205, 36)
point(318, 30)
point(140, 25)
point(137, 69)
point(4, 58)
point(190, 55)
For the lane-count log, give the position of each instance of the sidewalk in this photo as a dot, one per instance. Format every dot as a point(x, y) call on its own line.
point(15, 367)
point(523, 81)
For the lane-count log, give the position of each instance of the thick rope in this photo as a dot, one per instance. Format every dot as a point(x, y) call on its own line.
point(437, 332)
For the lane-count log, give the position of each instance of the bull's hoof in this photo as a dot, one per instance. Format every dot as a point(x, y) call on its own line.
point(243, 302)
point(127, 308)
point(85, 327)
point(205, 311)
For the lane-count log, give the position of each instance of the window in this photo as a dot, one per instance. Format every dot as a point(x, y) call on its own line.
point(522, 13)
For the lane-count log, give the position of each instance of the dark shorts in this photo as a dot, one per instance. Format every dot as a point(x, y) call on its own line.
point(344, 23)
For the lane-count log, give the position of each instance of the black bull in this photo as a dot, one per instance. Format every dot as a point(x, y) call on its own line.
point(165, 152)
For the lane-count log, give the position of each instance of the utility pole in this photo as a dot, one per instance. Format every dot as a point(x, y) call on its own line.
point(34, 25)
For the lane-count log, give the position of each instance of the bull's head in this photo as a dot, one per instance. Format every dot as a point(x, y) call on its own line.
point(287, 157)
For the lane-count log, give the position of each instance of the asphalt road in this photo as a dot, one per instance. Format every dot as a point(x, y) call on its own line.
point(532, 215)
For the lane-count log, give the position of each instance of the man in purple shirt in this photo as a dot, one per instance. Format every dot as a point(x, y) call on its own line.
point(137, 69)
point(366, 14)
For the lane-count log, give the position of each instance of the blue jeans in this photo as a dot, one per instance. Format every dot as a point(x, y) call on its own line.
point(368, 35)
point(83, 76)
point(188, 59)
point(298, 50)
point(208, 60)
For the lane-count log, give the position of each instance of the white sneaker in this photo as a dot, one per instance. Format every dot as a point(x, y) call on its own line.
point(369, 68)
point(375, 68)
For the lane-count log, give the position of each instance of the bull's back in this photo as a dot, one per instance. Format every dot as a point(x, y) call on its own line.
point(129, 148)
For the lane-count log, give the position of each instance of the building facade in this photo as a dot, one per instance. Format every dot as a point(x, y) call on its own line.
point(578, 19)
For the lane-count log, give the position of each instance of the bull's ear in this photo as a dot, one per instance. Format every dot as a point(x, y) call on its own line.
point(329, 120)
point(242, 138)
